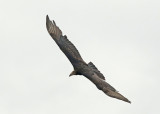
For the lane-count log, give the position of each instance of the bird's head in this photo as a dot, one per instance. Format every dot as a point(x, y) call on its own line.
point(73, 73)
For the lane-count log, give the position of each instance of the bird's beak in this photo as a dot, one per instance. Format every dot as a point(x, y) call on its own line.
point(72, 73)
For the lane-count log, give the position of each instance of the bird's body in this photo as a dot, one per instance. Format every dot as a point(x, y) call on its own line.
point(80, 66)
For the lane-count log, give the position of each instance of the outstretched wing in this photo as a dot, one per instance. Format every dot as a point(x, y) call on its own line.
point(65, 45)
point(102, 84)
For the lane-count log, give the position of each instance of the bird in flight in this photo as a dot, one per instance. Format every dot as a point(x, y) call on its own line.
point(89, 70)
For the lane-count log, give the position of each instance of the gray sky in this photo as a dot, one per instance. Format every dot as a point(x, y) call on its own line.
point(120, 37)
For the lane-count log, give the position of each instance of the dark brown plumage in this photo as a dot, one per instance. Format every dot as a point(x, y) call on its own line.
point(80, 66)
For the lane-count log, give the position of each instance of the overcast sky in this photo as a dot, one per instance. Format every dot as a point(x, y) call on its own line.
point(121, 37)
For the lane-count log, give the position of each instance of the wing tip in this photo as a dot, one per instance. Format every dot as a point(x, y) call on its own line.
point(47, 18)
point(129, 101)
point(126, 100)
point(52, 29)
point(115, 94)
point(47, 21)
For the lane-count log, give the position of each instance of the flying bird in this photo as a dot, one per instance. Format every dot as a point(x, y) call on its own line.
point(88, 70)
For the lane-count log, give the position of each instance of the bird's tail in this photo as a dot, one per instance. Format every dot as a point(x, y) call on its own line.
point(115, 94)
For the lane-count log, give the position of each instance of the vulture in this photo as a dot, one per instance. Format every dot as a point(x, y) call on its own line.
point(88, 70)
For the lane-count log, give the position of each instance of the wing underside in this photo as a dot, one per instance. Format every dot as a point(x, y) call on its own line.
point(65, 45)
point(103, 85)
